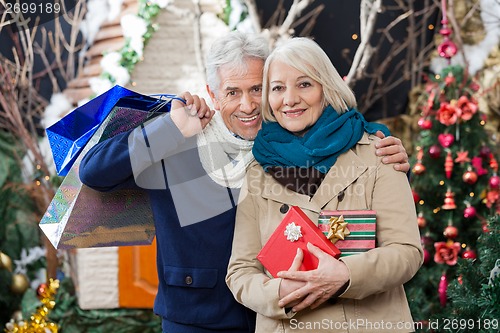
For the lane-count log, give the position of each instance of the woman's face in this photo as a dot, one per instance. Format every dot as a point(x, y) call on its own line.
point(296, 99)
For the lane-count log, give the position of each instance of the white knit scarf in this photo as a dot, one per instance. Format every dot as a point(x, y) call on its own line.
point(223, 156)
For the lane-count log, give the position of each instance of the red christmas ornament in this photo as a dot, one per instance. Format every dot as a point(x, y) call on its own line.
point(450, 232)
point(418, 168)
point(477, 163)
point(468, 106)
point(484, 152)
point(434, 151)
point(494, 182)
point(469, 212)
point(447, 49)
point(427, 256)
point(446, 252)
point(474, 86)
point(460, 279)
point(449, 200)
point(448, 165)
point(492, 196)
point(469, 254)
point(426, 240)
point(448, 113)
point(449, 79)
point(493, 163)
point(442, 289)
point(469, 177)
point(422, 222)
point(446, 139)
point(462, 157)
point(416, 197)
point(42, 291)
point(424, 123)
point(484, 227)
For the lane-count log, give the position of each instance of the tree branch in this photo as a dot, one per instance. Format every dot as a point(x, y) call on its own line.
point(368, 25)
point(254, 16)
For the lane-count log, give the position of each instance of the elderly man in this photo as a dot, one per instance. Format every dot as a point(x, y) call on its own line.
point(192, 162)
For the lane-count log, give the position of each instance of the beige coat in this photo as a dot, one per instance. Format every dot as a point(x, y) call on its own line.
point(375, 299)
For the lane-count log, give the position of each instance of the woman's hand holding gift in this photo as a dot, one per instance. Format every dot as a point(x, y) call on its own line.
point(319, 285)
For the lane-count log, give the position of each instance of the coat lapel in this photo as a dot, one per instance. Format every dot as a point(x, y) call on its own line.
point(276, 192)
point(344, 172)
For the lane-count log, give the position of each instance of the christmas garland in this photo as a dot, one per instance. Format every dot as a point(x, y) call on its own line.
point(138, 30)
point(38, 322)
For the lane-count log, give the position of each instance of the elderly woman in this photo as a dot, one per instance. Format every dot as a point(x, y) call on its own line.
point(315, 151)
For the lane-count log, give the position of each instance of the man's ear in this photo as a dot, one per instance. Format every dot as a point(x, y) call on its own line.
point(215, 101)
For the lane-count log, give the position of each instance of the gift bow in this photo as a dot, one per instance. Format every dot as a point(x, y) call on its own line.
point(338, 229)
point(292, 232)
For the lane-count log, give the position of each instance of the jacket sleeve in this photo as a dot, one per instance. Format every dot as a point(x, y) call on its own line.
point(131, 157)
point(245, 276)
point(398, 254)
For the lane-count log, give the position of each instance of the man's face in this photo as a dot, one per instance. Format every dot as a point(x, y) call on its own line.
point(239, 97)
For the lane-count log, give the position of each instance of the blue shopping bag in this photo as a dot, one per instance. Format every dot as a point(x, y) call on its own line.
point(68, 136)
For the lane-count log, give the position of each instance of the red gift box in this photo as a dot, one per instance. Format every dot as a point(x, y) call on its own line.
point(362, 229)
point(296, 230)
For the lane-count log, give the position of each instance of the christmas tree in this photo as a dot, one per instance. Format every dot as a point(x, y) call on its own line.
point(21, 257)
point(455, 185)
point(479, 278)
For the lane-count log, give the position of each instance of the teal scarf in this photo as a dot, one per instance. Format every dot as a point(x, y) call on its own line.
point(332, 135)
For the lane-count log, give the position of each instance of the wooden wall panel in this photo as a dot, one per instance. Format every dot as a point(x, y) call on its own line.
point(137, 276)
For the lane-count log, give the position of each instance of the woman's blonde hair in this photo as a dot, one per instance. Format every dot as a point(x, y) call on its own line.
point(309, 58)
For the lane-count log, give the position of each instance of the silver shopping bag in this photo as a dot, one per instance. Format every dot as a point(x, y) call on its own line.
point(80, 217)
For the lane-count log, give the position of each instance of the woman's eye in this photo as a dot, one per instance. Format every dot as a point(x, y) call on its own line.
point(276, 88)
point(305, 84)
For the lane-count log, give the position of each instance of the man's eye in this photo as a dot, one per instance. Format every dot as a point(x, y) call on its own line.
point(256, 91)
point(231, 93)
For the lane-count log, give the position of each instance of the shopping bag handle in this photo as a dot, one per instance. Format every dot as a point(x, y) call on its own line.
point(169, 96)
point(154, 102)
point(165, 99)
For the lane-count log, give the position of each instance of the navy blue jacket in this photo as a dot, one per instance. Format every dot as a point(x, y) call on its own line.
point(194, 221)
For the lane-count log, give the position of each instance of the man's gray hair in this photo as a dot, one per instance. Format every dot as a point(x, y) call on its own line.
point(233, 49)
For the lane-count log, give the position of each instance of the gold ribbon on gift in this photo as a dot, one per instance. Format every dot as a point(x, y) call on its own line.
point(338, 229)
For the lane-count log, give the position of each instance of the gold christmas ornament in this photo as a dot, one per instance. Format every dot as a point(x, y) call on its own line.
point(19, 283)
point(5, 262)
point(338, 229)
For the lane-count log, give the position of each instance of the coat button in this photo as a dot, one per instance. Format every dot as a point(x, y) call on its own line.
point(341, 195)
point(284, 208)
point(188, 280)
